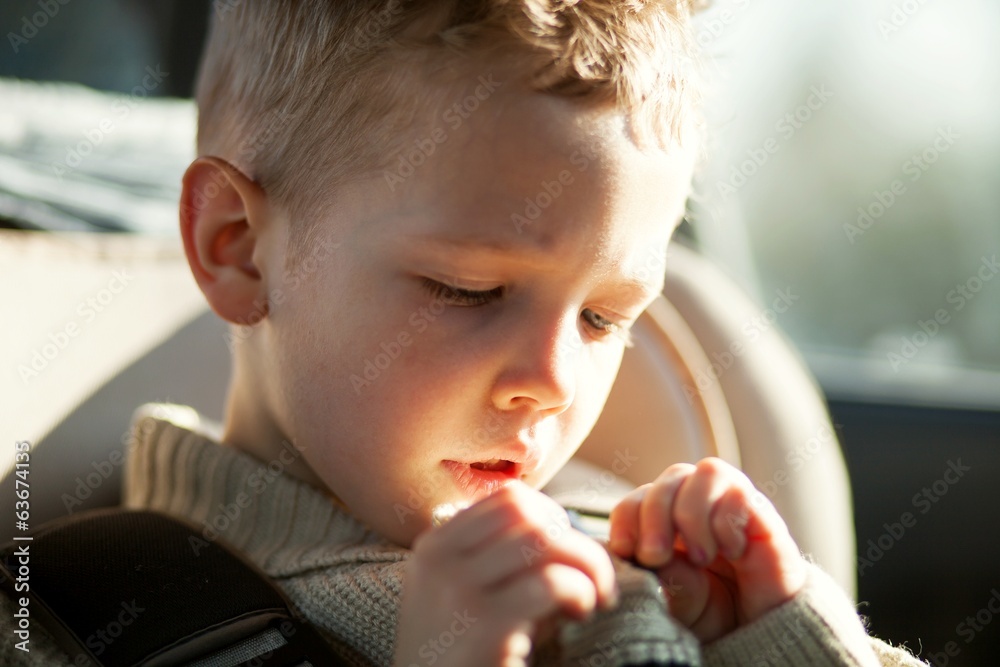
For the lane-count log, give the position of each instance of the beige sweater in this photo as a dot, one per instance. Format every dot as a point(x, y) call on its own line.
point(346, 580)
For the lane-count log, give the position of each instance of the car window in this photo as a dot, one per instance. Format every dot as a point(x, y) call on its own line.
point(114, 162)
point(855, 161)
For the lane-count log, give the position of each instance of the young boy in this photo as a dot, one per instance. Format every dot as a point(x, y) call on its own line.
point(427, 223)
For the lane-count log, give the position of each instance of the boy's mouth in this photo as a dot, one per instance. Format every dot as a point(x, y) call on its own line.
point(484, 478)
point(493, 465)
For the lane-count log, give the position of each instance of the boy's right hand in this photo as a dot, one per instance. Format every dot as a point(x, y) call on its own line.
point(476, 588)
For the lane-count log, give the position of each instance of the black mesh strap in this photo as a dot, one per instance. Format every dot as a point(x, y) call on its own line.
point(141, 588)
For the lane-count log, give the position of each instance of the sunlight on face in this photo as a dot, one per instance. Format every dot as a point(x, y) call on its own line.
point(472, 322)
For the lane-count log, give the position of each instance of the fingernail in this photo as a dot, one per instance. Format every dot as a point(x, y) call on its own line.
point(621, 546)
point(612, 600)
point(698, 556)
point(655, 550)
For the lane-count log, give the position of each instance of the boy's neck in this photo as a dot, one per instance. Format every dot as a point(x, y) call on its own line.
point(250, 428)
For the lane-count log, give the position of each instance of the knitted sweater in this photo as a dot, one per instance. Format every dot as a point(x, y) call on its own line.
point(347, 580)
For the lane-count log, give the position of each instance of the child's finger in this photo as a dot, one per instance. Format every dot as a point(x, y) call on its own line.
point(685, 589)
point(543, 591)
point(730, 517)
point(623, 534)
point(693, 509)
point(766, 564)
point(770, 557)
point(517, 647)
point(745, 516)
point(513, 505)
point(515, 529)
point(656, 521)
point(534, 546)
point(469, 529)
point(697, 599)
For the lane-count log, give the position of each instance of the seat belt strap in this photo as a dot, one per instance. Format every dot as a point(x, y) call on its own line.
point(123, 587)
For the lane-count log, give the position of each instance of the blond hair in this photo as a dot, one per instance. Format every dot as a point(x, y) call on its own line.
point(305, 94)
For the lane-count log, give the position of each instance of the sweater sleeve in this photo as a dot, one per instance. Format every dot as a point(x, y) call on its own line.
point(355, 604)
point(819, 626)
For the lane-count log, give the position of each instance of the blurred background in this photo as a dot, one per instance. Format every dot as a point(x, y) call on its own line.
point(852, 164)
point(854, 158)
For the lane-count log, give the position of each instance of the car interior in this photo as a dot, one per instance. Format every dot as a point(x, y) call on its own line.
point(103, 316)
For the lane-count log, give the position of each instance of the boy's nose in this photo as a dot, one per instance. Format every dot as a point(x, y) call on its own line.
point(540, 372)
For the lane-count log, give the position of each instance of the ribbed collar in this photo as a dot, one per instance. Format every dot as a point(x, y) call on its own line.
point(177, 466)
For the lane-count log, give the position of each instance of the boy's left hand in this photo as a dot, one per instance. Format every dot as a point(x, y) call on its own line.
point(720, 549)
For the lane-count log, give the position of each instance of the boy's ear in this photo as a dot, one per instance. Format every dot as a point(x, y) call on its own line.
point(222, 212)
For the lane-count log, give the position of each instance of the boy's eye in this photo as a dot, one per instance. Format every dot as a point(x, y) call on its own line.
point(606, 327)
point(457, 296)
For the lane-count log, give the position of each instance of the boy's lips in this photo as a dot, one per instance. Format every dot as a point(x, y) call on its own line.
point(485, 477)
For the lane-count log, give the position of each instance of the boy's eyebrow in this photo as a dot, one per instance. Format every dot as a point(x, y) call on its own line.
point(479, 244)
point(639, 288)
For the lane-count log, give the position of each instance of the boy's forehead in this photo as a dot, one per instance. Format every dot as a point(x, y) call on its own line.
point(539, 178)
point(527, 163)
